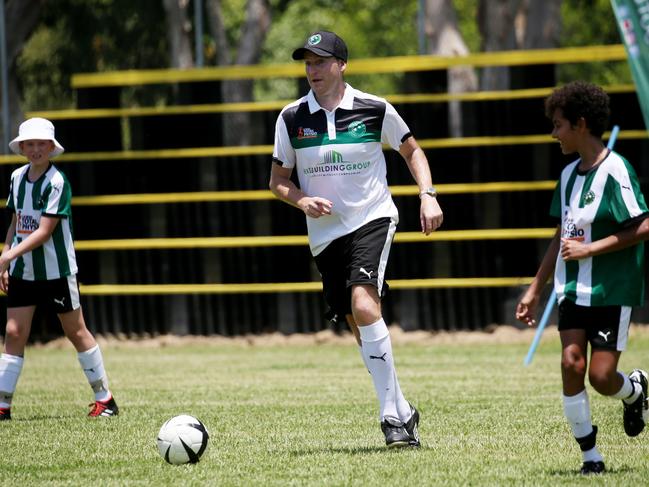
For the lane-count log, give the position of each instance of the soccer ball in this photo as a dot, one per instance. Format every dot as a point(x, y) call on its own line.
point(182, 439)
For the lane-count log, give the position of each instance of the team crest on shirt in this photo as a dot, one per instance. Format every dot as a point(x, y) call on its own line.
point(306, 133)
point(357, 129)
point(589, 197)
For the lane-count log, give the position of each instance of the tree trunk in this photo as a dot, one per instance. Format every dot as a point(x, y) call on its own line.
point(237, 126)
point(21, 18)
point(217, 29)
point(178, 32)
point(542, 28)
point(445, 39)
point(545, 31)
point(497, 24)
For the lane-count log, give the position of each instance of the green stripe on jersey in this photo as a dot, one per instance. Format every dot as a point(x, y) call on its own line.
point(65, 202)
point(572, 273)
point(37, 204)
point(341, 138)
point(38, 262)
point(61, 251)
point(22, 187)
point(570, 184)
point(588, 182)
point(19, 265)
point(10, 199)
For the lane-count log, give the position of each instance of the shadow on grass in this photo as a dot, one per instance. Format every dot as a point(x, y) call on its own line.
point(575, 472)
point(42, 417)
point(348, 450)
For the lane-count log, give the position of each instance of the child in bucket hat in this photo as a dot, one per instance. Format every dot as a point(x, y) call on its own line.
point(36, 129)
point(38, 265)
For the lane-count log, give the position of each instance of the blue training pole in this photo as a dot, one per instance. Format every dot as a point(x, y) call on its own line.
point(553, 295)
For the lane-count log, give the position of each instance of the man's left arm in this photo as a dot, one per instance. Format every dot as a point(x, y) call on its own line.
point(430, 213)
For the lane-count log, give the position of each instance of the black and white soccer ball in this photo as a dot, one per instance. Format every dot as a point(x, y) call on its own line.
point(182, 439)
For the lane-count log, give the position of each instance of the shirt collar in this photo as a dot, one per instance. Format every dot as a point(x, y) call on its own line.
point(346, 103)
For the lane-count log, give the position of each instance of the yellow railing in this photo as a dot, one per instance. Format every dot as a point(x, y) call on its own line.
point(396, 64)
point(89, 113)
point(234, 151)
point(292, 240)
point(291, 287)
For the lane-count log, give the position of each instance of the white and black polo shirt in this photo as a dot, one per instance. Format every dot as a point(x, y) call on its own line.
point(338, 155)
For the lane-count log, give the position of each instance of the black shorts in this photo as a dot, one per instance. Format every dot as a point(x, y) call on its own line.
point(60, 295)
point(607, 327)
point(357, 258)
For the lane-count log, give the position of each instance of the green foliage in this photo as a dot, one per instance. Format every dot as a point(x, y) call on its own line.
point(103, 35)
point(467, 21)
point(588, 23)
point(233, 14)
point(45, 83)
point(371, 28)
point(87, 36)
point(306, 415)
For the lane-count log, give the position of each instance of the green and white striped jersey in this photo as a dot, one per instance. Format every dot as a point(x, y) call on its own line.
point(592, 206)
point(48, 195)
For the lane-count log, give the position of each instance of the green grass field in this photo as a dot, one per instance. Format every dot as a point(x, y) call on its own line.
point(306, 415)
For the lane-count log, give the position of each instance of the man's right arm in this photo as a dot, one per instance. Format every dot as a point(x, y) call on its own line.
point(282, 187)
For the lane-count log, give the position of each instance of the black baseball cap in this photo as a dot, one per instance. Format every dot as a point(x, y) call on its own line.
point(323, 43)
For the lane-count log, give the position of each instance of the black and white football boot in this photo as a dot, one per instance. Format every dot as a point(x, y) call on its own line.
point(395, 433)
point(636, 413)
point(412, 427)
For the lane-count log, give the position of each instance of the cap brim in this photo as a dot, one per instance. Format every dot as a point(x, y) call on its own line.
point(299, 53)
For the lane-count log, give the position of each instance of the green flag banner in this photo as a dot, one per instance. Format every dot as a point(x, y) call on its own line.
point(633, 21)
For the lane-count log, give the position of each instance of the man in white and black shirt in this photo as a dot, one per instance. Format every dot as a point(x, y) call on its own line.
point(333, 138)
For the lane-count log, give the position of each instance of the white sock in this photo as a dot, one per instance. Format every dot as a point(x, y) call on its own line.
point(403, 407)
point(92, 364)
point(10, 368)
point(377, 355)
point(629, 391)
point(592, 455)
point(577, 411)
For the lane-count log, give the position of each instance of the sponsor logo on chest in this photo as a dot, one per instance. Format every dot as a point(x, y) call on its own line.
point(25, 223)
point(333, 164)
point(572, 231)
point(306, 133)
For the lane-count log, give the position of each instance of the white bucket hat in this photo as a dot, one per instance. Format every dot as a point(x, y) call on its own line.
point(36, 129)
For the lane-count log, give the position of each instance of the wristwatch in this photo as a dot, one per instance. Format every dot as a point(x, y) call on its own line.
point(429, 191)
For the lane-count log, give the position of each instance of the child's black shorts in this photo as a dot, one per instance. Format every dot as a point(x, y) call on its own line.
point(607, 327)
point(61, 295)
